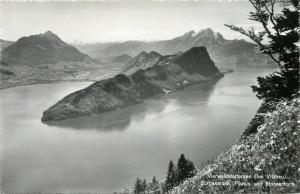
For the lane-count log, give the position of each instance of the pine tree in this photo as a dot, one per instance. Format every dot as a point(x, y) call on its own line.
point(144, 186)
point(185, 168)
point(138, 189)
point(191, 170)
point(154, 186)
point(171, 179)
point(182, 168)
point(278, 39)
point(163, 187)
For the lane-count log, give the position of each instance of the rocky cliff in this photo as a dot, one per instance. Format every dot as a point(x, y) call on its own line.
point(167, 74)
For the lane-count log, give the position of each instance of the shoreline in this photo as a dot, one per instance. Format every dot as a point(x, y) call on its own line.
point(222, 70)
point(45, 82)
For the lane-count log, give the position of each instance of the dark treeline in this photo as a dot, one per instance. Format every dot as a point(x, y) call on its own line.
point(175, 175)
point(141, 186)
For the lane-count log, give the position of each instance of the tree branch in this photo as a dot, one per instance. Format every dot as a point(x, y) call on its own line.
point(256, 39)
point(259, 11)
point(271, 13)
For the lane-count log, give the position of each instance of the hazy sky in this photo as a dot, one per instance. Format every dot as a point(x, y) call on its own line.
point(120, 20)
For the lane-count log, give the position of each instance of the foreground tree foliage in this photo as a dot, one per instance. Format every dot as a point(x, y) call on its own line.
point(176, 175)
point(171, 179)
point(186, 169)
point(154, 186)
point(278, 39)
point(138, 187)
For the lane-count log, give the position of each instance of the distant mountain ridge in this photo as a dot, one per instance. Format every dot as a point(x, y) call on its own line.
point(221, 50)
point(141, 61)
point(41, 49)
point(168, 73)
point(44, 58)
point(119, 59)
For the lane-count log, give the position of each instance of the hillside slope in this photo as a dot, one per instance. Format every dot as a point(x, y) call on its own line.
point(266, 161)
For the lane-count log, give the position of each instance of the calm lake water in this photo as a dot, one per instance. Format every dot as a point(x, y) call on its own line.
point(108, 152)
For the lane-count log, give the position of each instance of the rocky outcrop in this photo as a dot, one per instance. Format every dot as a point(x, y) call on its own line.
point(167, 74)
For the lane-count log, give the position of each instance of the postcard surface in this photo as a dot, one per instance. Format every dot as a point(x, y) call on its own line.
point(149, 96)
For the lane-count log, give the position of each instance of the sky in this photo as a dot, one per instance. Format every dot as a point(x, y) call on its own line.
point(106, 21)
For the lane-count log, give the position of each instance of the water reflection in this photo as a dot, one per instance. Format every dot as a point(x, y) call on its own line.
point(114, 120)
point(120, 119)
point(195, 94)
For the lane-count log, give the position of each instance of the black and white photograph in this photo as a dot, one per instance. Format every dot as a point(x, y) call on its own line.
point(149, 96)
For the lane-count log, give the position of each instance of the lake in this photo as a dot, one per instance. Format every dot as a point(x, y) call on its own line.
point(107, 152)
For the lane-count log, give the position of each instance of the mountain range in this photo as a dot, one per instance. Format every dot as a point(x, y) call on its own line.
point(221, 50)
point(45, 57)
